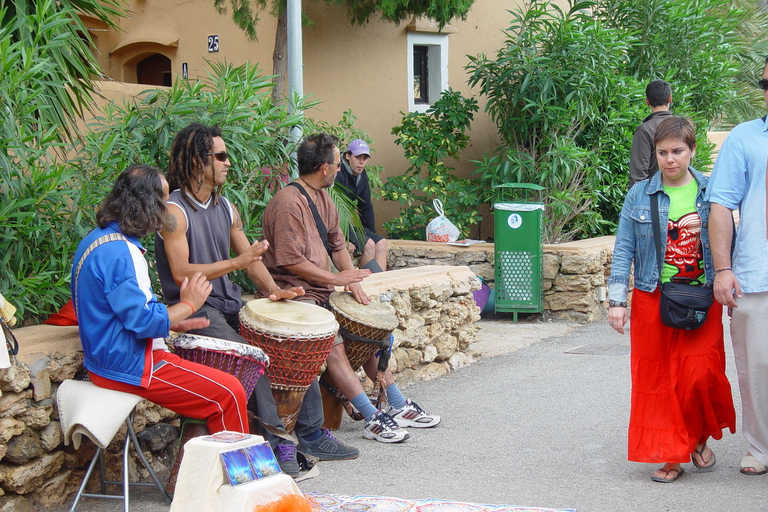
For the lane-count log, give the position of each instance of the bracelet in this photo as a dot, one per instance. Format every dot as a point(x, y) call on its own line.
point(722, 270)
point(188, 304)
point(617, 304)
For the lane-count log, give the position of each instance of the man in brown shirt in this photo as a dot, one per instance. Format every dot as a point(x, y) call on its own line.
point(300, 254)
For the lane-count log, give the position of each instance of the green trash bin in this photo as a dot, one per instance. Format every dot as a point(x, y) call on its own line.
point(518, 250)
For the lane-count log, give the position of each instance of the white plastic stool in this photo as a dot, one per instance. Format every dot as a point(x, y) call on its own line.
point(97, 413)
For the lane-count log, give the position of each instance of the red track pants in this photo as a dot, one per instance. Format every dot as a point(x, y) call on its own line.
point(191, 389)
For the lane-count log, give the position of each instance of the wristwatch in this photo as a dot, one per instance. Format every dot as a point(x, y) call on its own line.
point(617, 304)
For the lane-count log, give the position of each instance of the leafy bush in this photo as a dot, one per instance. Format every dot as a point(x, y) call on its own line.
point(428, 140)
point(566, 92)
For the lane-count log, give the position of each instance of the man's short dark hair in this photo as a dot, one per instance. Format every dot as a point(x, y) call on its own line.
point(190, 153)
point(315, 151)
point(136, 202)
point(658, 93)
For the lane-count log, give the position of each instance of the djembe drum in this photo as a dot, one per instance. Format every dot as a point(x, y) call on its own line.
point(297, 337)
point(365, 329)
point(245, 362)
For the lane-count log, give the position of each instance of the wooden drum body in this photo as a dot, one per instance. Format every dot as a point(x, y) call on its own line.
point(365, 329)
point(297, 337)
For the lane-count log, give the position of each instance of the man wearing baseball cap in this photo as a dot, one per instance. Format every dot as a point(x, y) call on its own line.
point(356, 186)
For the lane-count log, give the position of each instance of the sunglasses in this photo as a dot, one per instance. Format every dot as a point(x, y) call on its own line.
point(221, 156)
point(763, 84)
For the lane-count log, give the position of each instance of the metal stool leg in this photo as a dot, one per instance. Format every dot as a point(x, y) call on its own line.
point(130, 437)
point(137, 448)
point(96, 457)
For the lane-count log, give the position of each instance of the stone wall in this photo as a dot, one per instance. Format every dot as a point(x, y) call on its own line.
point(574, 274)
point(437, 317)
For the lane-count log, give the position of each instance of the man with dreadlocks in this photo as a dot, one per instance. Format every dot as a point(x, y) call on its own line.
point(201, 228)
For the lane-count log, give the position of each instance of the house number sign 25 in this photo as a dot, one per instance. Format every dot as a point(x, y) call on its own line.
point(213, 44)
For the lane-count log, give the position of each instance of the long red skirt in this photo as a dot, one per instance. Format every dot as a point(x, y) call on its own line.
point(680, 394)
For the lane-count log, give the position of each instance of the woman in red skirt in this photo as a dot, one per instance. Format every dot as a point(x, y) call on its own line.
point(680, 394)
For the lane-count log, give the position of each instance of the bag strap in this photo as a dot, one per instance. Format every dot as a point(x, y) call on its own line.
point(321, 229)
point(438, 206)
point(111, 237)
point(656, 230)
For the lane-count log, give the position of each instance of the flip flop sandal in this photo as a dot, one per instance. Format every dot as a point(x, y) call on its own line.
point(750, 462)
point(669, 480)
point(700, 453)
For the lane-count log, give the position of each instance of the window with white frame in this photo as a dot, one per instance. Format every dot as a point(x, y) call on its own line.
point(427, 69)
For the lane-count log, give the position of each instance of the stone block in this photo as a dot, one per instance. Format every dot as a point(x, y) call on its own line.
point(573, 283)
point(40, 377)
point(65, 366)
point(14, 404)
point(430, 316)
point(446, 345)
point(433, 370)
point(51, 436)
point(157, 437)
point(581, 263)
point(37, 414)
point(10, 427)
point(429, 354)
point(420, 297)
point(54, 490)
point(24, 447)
point(15, 378)
point(441, 292)
point(407, 358)
point(550, 265)
point(3, 451)
point(29, 477)
point(402, 305)
point(568, 300)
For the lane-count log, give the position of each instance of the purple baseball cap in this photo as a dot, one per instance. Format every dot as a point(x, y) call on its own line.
point(359, 147)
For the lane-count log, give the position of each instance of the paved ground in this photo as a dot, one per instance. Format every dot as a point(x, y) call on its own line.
point(540, 421)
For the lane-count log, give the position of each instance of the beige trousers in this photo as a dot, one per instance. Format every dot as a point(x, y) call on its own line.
point(749, 333)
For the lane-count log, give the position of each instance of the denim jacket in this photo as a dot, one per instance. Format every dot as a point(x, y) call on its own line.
point(634, 238)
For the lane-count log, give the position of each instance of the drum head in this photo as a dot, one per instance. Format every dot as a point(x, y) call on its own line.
point(288, 318)
point(374, 314)
point(195, 341)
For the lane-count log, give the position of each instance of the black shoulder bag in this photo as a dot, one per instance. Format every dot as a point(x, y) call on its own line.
point(684, 302)
point(318, 221)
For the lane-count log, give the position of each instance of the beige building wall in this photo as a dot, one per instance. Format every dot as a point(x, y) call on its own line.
point(345, 66)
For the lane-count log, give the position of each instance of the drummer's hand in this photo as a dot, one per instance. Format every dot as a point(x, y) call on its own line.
point(348, 277)
point(195, 290)
point(252, 254)
point(190, 324)
point(358, 293)
point(351, 247)
point(290, 293)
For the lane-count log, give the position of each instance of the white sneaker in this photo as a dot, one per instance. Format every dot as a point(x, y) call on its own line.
point(384, 429)
point(413, 416)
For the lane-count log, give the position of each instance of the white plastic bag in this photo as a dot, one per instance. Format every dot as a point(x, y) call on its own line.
point(440, 229)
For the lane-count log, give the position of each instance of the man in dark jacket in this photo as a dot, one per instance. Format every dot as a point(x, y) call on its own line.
point(355, 180)
point(642, 159)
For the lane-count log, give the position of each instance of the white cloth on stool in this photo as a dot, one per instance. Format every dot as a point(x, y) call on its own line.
point(202, 485)
point(86, 409)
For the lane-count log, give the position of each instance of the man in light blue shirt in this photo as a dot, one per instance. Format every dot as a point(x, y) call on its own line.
point(738, 181)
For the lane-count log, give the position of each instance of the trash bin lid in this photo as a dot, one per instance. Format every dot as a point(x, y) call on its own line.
point(518, 207)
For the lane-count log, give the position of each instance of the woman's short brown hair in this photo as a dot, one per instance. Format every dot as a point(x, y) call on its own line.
point(676, 128)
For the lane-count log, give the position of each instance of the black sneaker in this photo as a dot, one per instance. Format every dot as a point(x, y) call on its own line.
point(285, 452)
point(327, 447)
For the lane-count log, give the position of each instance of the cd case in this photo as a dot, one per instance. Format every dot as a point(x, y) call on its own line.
point(251, 463)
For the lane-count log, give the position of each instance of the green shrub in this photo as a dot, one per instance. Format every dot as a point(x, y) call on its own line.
point(429, 139)
point(566, 92)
